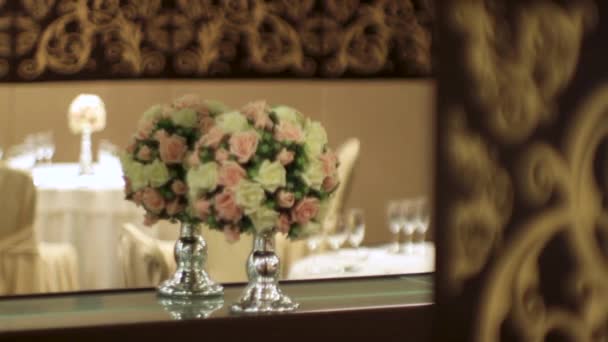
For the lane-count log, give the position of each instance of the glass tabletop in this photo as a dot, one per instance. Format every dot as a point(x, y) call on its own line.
point(143, 306)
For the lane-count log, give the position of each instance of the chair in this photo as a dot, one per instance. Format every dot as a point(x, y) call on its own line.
point(27, 266)
point(146, 261)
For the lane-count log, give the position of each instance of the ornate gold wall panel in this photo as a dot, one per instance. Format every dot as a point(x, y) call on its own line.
point(522, 164)
point(93, 39)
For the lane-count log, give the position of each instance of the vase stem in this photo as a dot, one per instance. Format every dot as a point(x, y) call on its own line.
point(190, 278)
point(262, 294)
point(86, 155)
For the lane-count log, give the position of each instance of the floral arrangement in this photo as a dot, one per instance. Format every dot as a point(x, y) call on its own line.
point(153, 163)
point(86, 111)
point(261, 169)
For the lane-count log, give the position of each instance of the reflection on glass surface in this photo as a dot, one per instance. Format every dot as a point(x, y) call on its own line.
point(190, 308)
point(381, 131)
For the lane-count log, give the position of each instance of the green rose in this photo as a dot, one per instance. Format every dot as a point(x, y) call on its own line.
point(134, 171)
point(157, 173)
point(314, 175)
point(264, 219)
point(249, 195)
point(216, 107)
point(152, 113)
point(271, 175)
point(315, 139)
point(288, 114)
point(185, 117)
point(232, 122)
point(202, 178)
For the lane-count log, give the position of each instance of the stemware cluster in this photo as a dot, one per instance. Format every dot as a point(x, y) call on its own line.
point(410, 217)
point(348, 227)
point(35, 149)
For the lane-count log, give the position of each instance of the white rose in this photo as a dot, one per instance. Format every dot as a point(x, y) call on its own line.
point(153, 113)
point(288, 114)
point(315, 139)
point(216, 107)
point(271, 175)
point(314, 175)
point(134, 171)
point(264, 219)
point(249, 196)
point(156, 173)
point(309, 229)
point(232, 122)
point(202, 178)
point(185, 117)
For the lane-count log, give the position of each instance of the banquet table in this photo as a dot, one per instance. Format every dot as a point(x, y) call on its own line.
point(366, 261)
point(88, 212)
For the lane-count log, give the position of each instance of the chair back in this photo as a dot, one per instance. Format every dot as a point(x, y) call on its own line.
point(17, 203)
point(142, 260)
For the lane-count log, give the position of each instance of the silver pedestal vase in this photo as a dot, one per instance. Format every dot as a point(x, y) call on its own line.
point(262, 294)
point(190, 278)
point(191, 308)
point(86, 156)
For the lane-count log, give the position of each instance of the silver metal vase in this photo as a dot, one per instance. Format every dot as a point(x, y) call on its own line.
point(262, 294)
point(190, 278)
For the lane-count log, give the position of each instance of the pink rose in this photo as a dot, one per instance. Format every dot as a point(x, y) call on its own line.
point(138, 198)
point(202, 208)
point(257, 111)
point(187, 101)
point(286, 131)
point(330, 183)
point(175, 207)
point(330, 163)
point(206, 124)
point(153, 201)
point(232, 233)
point(131, 147)
point(161, 134)
point(283, 224)
point(193, 159)
point(231, 174)
point(221, 155)
point(305, 210)
point(243, 145)
point(144, 153)
point(213, 138)
point(173, 149)
point(226, 207)
point(145, 129)
point(285, 157)
point(128, 187)
point(179, 187)
point(150, 219)
point(286, 199)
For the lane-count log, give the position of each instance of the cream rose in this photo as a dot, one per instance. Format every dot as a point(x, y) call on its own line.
point(314, 175)
point(156, 173)
point(264, 219)
point(249, 196)
point(271, 175)
point(185, 117)
point(152, 114)
point(315, 139)
point(202, 178)
point(288, 114)
point(232, 122)
point(134, 171)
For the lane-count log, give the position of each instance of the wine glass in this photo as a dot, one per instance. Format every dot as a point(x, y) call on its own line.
point(47, 146)
point(338, 235)
point(423, 219)
point(409, 212)
point(314, 243)
point(356, 227)
point(393, 213)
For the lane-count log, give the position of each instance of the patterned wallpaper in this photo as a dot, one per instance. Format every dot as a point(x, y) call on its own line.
point(522, 162)
point(106, 39)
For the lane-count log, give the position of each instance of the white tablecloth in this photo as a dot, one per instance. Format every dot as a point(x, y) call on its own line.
point(88, 212)
point(365, 262)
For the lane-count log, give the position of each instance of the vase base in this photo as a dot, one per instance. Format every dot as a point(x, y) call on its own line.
point(175, 289)
point(264, 298)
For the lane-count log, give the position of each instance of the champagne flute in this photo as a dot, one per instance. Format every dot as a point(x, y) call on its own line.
point(408, 222)
point(393, 212)
point(356, 224)
point(337, 237)
point(423, 219)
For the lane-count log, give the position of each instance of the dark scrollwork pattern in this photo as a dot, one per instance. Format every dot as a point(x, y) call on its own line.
point(79, 39)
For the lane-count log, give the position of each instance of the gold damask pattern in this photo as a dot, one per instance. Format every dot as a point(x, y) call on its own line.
point(523, 233)
point(82, 39)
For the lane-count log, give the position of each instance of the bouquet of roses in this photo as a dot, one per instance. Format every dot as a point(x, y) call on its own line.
point(261, 169)
point(153, 163)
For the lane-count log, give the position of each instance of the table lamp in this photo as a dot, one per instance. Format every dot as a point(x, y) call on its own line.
point(87, 114)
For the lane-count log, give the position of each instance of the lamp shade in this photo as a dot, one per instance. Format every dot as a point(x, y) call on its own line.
point(87, 112)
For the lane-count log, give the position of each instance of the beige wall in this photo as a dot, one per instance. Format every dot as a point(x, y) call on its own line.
point(393, 119)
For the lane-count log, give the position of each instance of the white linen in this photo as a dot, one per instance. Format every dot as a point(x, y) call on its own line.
point(365, 262)
point(86, 211)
